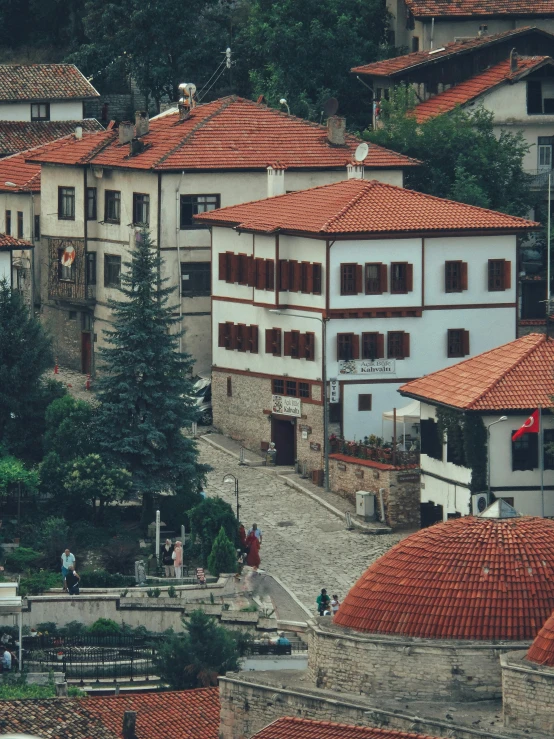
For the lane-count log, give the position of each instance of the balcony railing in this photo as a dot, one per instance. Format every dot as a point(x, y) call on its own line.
point(538, 178)
point(383, 453)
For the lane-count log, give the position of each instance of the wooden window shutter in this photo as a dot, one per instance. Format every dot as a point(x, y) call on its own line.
point(288, 344)
point(405, 344)
point(260, 274)
point(355, 346)
point(241, 333)
point(359, 278)
point(251, 272)
point(297, 277)
point(302, 346)
point(277, 342)
point(234, 259)
point(465, 343)
point(310, 346)
point(310, 278)
point(233, 332)
point(223, 265)
point(253, 339)
point(222, 334)
point(380, 346)
point(270, 274)
point(283, 274)
point(409, 277)
point(316, 279)
point(507, 275)
point(229, 387)
point(383, 278)
point(269, 333)
point(463, 275)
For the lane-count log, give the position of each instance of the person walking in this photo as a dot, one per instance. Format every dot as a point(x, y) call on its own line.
point(335, 604)
point(257, 533)
point(323, 602)
point(6, 660)
point(167, 558)
point(178, 559)
point(67, 560)
point(72, 581)
point(253, 550)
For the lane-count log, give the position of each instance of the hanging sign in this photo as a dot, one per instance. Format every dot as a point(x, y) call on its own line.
point(375, 367)
point(286, 406)
point(68, 256)
point(334, 391)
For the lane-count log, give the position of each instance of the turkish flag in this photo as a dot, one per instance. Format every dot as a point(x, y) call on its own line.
point(531, 426)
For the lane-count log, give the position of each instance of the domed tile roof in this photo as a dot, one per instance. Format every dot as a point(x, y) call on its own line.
point(467, 578)
point(542, 649)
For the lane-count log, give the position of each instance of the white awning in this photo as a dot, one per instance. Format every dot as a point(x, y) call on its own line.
point(408, 414)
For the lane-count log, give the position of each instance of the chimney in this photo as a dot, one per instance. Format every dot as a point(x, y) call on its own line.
point(61, 690)
point(355, 171)
point(136, 146)
point(78, 132)
point(275, 180)
point(126, 132)
point(142, 123)
point(129, 724)
point(513, 60)
point(336, 130)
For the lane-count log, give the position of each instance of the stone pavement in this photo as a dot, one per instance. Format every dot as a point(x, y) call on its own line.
point(73, 381)
point(305, 546)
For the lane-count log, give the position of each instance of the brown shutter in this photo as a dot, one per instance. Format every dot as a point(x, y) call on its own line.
point(302, 346)
point(270, 274)
point(383, 278)
point(222, 334)
point(251, 272)
point(269, 340)
point(507, 275)
point(310, 346)
point(297, 277)
point(233, 332)
point(338, 346)
point(359, 278)
point(253, 337)
point(229, 387)
point(234, 260)
point(260, 274)
point(463, 275)
point(288, 344)
point(242, 334)
point(283, 274)
point(380, 345)
point(310, 278)
point(409, 277)
point(355, 346)
point(465, 343)
point(342, 279)
point(223, 265)
point(405, 344)
point(316, 279)
point(277, 342)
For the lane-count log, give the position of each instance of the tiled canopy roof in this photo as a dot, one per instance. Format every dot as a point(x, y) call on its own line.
point(9, 243)
point(484, 8)
point(514, 376)
point(470, 89)
point(16, 136)
point(230, 133)
point(361, 206)
point(467, 578)
point(302, 728)
point(187, 714)
point(24, 176)
point(542, 649)
point(19, 82)
point(391, 67)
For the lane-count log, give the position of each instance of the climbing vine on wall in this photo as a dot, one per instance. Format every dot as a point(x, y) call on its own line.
point(467, 443)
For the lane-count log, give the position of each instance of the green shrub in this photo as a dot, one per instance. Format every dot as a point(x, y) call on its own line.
point(48, 627)
point(104, 627)
point(223, 557)
point(103, 579)
point(153, 592)
point(39, 582)
point(73, 628)
point(171, 592)
point(22, 559)
point(119, 554)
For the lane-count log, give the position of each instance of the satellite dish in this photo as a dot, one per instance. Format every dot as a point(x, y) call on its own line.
point(361, 152)
point(330, 106)
point(190, 87)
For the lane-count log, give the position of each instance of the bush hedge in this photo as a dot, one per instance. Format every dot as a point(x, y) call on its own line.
point(104, 579)
point(22, 559)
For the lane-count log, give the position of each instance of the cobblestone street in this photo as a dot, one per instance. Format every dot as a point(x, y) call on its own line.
point(304, 545)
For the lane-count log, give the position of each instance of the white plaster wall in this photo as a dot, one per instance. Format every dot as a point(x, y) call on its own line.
point(476, 251)
point(358, 424)
point(18, 202)
point(304, 250)
point(53, 177)
point(448, 29)
point(5, 266)
point(67, 110)
point(535, 126)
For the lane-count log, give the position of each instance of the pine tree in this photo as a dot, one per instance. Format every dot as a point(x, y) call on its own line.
point(145, 384)
point(25, 354)
point(223, 557)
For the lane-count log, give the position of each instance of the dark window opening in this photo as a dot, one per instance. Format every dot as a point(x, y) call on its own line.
point(348, 279)
point(112, 271)
point(112, 206)
point(8, 224)
point(278, 387)
point(290, 387)
point(372, 346)
point(91, 268)
point(398, 345)
point(548, 449)
point(498, 275)
point(40, 111)
point(453, 277)
point(457, 342)
point(400, 277)
point(304, 389)
point(196, 278)
point(37, 228)
point(19, 224)
point(66, 203)
point(192, 205)
point(431, 444)
point(525, 452)
point(91, 204)
point(345, 346)
point(141, 209)
point(364, 402)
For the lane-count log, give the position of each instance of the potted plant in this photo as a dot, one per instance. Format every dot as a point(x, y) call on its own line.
point(59, 655)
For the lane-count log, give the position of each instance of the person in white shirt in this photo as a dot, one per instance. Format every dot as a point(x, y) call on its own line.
point(335, 604)
point(257, 532)
point(6, 660)
point(67, 560)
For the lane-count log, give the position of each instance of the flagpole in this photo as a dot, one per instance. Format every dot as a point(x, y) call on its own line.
point(541, 458)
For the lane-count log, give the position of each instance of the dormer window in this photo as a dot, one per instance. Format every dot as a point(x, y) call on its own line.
point(40, 111)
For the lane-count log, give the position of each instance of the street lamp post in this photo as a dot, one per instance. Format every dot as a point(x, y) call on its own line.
point(323, 322)
point(231, 478)
point(502, 418)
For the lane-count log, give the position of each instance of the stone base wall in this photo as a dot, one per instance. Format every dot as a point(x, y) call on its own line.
point(65, 333)
point(528, 694)
point(247, 706)
point(245, 415)
point(402, 487)
point(415, 669)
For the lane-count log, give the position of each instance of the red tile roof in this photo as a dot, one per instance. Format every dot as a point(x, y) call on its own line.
point(230, 133)
point(390, 67)
point(361, 206)
point(542, 649)
point(468, 578)
point(16, 136)
point(515, 376)
point(15, 169)
point(9, 243)
point(56, 718)
point(20, 82)
point(303, 728)
point(472, 88)
point(486, 8)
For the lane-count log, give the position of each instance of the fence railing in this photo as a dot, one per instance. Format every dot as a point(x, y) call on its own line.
point(383, 454)
point(538, 178)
